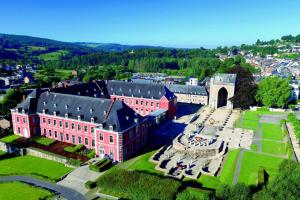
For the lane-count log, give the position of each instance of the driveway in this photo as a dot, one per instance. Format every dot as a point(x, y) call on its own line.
point(67, 193)
point(77, 178)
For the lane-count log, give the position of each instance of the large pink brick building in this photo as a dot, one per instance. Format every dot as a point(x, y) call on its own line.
point(110, 127)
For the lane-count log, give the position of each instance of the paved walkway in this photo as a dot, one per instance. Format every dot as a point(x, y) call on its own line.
point(63, 191)
point(77, 178)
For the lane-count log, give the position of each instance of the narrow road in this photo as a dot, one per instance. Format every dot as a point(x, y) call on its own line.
point(63, 191)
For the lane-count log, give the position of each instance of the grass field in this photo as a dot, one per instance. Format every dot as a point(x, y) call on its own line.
point(252, 161)
point(36, 48)
point(229, 167)
point(42, 140)
point(53, 55)
point(249, 124)
point(30, 165)
point(10, 138)
point(143, 164)
point(274, 147)
point(64, 73)
point(272, 131)
point(22, 191)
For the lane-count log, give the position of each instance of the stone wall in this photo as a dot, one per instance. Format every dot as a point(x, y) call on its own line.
point(34, 152)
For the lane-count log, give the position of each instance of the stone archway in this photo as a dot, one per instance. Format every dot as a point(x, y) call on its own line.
point(222, 97)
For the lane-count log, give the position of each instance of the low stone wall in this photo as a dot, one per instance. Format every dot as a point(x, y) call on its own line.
point(35, 152)
point(3, 146)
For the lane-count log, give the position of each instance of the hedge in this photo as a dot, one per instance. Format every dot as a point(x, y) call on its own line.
point(90, 185)
point(42, 140)
point(74, 162)
point(91, 154)
point(101, 165)
point(73, 149)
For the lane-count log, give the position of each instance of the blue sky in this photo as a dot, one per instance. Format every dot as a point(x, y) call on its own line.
point(176, 23)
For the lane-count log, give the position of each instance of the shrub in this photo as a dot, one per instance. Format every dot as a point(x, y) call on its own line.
point(90, 185)
point(42, 140)
point(91, 154)
point(74, 162)
point(138, 185)
point(73, 149)
point(101, 165)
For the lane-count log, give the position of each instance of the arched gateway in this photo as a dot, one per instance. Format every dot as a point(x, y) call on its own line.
point(222, 88)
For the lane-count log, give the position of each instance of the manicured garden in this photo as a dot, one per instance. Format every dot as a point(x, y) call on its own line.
point(10, 138)
point(33, 166)
point(42, 140)
point(252, 161)
point(229, 167)
point(18, 190)
point(272, 131)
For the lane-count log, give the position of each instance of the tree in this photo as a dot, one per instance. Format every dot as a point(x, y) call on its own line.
point(273, 92)
point(237, 192)
point(245, 91)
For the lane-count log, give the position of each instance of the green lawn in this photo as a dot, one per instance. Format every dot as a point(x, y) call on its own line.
point(30, 165)
point(249, 124)
point(272, 131)
point(22, 191)
point(2, 153)
point(56, 55)
point(229, 167)
point(10, 138)
point(252, 161)
point(209, 181)
point(273, 147)
point(42, 140)
point(64, 73)
point(143, 163)
point(253, 147)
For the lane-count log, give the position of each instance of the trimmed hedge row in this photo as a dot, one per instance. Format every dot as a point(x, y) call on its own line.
point(90, 185)
point(74, 162)
point(73, 149)
point(92, 154)
point(101, 165)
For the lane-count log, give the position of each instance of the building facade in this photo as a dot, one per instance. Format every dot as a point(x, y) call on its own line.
point(222, 88)
point(189, 93)
point(110, 127)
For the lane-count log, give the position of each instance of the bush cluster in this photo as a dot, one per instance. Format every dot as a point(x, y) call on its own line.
point(74, 162)
point(91, 154)
point(74, 149)
point(101, 165)
point(296, 124)
point(90, 185)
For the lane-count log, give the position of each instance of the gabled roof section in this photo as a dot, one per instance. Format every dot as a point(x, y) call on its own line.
point(188, 89)
point(90, 89)
point(140, 90)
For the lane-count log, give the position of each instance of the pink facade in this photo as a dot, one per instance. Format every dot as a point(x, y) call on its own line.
point(145, 106)
point(25, 125)
point(118, 146)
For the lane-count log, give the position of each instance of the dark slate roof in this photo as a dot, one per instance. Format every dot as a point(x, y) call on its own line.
point(221, 78)
point(29, 106)
point(140, 90)
point(90, 89)
point(188, 89)
point(104, 111)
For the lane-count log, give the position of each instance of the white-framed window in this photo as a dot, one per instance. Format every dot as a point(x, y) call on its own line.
point(86, 141)
point(79, 127)
point(79, 140)
point(111, 139)
point(18, 119)
point(92, 129)
point(66, 124)
point(44, 120)
point(101, 137)
point(85, 128)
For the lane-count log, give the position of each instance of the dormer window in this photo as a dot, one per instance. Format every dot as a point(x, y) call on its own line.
point(111, 128)
point(139, 91)
point(79, 117)
point(159, 93)
point(66, 115)
point(66, 106)
point(129, 89)
point(44, 111)
point(104, 112)
point(92, 120)
point(91, 110)
point(23, 111)
point(54, 113)
point(101, 126)
point(78, 108)
point(45, 103)
point(136, 120)
point(148, 91)
point(55, 105)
